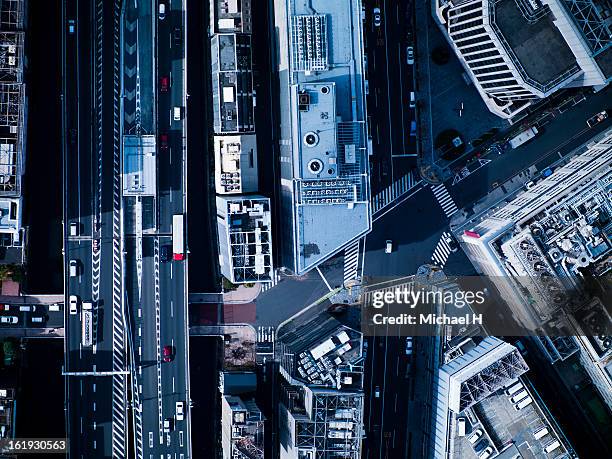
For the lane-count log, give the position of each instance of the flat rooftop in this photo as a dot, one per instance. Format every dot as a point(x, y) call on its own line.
point(505, 428)
point(539, 46)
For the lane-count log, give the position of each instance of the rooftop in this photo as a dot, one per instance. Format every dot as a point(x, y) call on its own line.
point(245, 238)
point(324, 160)
point(232, 82)
point(139, 165)
point(235, 164)
point(230, 16)
point(538, 44)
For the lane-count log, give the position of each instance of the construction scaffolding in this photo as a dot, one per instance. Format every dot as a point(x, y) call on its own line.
point(11, 14)
point(12, 96)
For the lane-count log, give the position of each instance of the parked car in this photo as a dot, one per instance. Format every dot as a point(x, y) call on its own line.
point(410, 55)
point(180, 411)
point(168, 353)
point(475, 436)
point(597, 118)
point(377, 17)
point(9, 319)
point(389, 246)
point(74, 304)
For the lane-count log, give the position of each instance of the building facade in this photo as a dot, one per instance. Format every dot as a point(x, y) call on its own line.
point(519, 51)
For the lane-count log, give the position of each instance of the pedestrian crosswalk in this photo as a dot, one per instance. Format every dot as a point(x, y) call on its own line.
point(268, 285)
point(442, 250)
point(444, 199)
point(394, 191)
point(351, 262)
point(265, 334)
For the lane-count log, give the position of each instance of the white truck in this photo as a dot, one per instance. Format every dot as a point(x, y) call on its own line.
point(523, 137)
point(87, 331)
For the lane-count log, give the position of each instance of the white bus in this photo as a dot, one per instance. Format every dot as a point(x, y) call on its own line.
point(86, 322)
point(178, 233)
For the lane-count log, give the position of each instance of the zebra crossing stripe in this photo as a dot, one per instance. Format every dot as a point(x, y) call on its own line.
point(442, 251)
point(351, 262)
point(393, 192)
point(445, 200)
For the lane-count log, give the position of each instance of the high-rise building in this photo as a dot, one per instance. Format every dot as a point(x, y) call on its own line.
point(235, 164)
point(230, 16)
point(12, 127)
point(548, 253)
point(323, 148)
point(480, 383)
point(519, 51)
point(232, 83)
point(245, 239)
point(321, 401)
point(242, 424)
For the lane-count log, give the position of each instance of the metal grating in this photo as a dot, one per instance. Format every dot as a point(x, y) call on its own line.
point(595, 28)
point(309, 43)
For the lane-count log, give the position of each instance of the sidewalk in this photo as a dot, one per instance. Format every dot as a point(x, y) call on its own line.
point(242, 294)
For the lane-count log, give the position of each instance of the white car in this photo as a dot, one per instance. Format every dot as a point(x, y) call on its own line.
point(9, 319)
point(486, 453)
point(180, 411)
point(377, 392)
point(475, 436)
point(74, 304)
point(389, 246)
point(450, 241)
point(377, 17)
point(410, 55)
point(409, 345)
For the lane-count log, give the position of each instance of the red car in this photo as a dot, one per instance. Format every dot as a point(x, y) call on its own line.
point(163, 141)
point(164, 82)
point(168, 353)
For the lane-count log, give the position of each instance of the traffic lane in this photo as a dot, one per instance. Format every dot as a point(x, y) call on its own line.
point(414, 227)
point(566, 132)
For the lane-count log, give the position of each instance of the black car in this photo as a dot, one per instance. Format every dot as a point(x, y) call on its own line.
point(178, 35)
point(164, 253)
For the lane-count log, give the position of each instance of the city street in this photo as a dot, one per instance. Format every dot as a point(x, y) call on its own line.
point(390, 83)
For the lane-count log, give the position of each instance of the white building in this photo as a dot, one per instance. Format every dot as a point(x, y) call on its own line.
point(235, 164)
point(245, 238)
point(242, 424)
point(518, 51)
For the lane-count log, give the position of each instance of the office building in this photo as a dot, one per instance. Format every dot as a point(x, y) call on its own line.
point(235, 164)
point(548, 253)
point(232, 84)
point(324, 167)
point(230, 16)
point(12, 128)
point(245, 238)
point(242, 424)
point(519, 51)
point(482, 405)
point(321, 402)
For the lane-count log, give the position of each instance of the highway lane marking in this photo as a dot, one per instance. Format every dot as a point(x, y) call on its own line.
point(171, 308)
point(94, 406)
point(94, 387)
point(150, 439)
point(81, 424)
point(173, 384)
point(95, 425)
point(81, 384)
point(139, 313)
point(170, 270)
